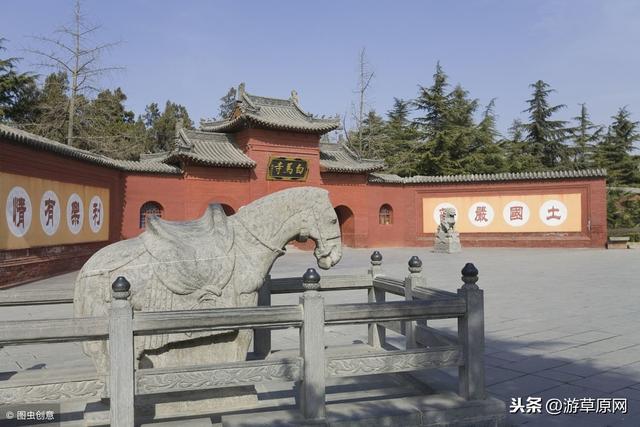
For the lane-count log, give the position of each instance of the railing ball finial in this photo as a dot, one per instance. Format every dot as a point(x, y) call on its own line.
point(376, 258)
point(415, 264)
point(469, 276)
point(311, 280)
point(121, 288)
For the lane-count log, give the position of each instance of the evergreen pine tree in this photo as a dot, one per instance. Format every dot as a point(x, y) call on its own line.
point(373, 135)
point(434, 102)
point(398, 116)
point(18, 91)
point(151, 114)
point(51, 117)
point(459, 127)
point(485, 154)
point(107, 127)
point(447, 127)
point(614, 152)
point(585, 136)
point(545, 137)
point(162, 127)
point(400, 145)
point(227, 104)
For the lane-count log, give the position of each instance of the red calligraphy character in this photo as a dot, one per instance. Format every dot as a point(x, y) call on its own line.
point(75, 213)
point(96, 213)
point(19, 208)
point(515, 213)
point(553, 213)
point(443, 213)
point(481, 214)
point(49, 205)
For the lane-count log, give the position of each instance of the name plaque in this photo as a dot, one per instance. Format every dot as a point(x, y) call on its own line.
point(287, 169)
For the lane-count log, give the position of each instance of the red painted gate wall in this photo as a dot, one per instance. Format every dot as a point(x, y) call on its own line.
point(186, 196)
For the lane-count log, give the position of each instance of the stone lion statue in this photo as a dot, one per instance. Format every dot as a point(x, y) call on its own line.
point(212, 262)
point(447, 239)
point(448, 220)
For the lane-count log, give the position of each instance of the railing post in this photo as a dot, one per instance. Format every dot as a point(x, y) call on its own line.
point(471, 336)
point(413, 279)
point(262, 337)
point(312, 389)
point(377, 333)
point(121, 357)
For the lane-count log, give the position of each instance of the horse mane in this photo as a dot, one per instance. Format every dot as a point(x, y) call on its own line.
point(289, 202)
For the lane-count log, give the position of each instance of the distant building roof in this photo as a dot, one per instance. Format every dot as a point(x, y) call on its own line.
point(338, 158)
point(39, 142)
point(507, 176)
point(205, 148)
point(270, 113)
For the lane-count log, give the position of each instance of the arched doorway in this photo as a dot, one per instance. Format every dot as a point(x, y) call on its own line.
point(347, 225)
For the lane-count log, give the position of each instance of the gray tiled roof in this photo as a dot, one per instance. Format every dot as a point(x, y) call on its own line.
point(507, 176)
point(271, 113)
point(386, 178)
point(38, 142)
point(154, 157)
point(338, 158)
point(208, 148)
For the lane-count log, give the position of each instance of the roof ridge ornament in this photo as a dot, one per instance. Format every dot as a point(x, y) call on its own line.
point(181, 141)
point(179, 126)
point(294, 97)
point(243, 100)
point(240, 92)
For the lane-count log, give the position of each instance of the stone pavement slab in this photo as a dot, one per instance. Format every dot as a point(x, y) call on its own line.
point(552, 316)
point(557, 375)
point(607, 382)
point(532, 365)
point(523, 386)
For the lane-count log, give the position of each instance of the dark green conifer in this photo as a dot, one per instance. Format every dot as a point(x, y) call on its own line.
point(545, 136)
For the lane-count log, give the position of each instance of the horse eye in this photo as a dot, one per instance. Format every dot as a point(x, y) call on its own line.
point(334, 221)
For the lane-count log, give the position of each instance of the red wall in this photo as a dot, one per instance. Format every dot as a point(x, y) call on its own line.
point(23, 265)
point(186, 197)
point(594, 212)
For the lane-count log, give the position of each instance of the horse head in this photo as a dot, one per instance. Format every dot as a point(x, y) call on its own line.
point(321, 225)
point(295, 214)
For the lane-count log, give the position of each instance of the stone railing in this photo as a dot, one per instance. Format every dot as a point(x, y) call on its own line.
point(425, 346)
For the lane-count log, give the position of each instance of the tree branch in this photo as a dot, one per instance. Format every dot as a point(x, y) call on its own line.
point(53, 58)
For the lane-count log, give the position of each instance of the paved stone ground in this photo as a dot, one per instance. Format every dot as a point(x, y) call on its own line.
point(559, 323)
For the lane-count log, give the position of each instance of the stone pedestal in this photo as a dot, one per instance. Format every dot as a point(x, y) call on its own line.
point(447, 242)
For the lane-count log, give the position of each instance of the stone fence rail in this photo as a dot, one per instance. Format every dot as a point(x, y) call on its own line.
point(425, 346)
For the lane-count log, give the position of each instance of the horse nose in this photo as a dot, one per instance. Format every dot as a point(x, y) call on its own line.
point(336, 254)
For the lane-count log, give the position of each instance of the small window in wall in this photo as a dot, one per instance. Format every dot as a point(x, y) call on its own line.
point(386, 215)
point(148, 210)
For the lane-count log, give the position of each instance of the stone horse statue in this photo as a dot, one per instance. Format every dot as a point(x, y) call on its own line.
point(212, 262)
point(447, 239)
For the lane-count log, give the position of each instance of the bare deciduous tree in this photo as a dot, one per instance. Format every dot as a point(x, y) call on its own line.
point(73, 52)
point(365, 76)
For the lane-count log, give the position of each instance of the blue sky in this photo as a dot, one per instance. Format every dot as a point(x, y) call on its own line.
point(191, 52)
